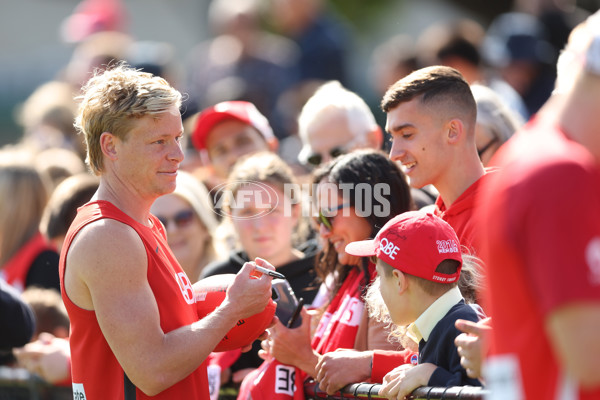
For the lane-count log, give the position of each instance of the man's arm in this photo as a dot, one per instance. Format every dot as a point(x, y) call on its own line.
point(573, 330)
point(106, 271)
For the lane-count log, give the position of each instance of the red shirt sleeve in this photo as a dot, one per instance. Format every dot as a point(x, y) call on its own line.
point(385, 361)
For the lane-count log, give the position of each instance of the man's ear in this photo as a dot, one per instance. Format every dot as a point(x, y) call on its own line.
point(455, 130)
point(108, 145)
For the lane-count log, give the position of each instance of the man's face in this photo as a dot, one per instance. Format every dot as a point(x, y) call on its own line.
point(228, 141)
point(329, 136)
point(418, 142)
point(148, 159)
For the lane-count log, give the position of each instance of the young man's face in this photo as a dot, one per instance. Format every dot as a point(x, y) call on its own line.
point(228, 141)
point(418, 142)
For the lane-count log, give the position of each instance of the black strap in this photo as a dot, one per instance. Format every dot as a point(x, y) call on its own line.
point(128, 388)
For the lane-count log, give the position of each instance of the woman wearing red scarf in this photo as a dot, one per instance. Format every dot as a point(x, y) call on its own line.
point(27, 258)
point(356, 194)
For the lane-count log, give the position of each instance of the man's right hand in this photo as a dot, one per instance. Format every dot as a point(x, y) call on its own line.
point(249, 295)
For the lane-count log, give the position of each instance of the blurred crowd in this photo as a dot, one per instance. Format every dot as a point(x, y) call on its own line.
point(269, 106)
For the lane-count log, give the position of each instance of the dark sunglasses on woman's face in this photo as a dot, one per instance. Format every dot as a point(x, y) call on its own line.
point(181, 219)
point(315, 159)
point(326, 220)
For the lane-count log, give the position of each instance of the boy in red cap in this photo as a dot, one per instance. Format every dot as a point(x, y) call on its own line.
point(230, 130)
point(418, 265)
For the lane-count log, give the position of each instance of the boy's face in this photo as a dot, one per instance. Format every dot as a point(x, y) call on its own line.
point(418, 142)
point(388, 287)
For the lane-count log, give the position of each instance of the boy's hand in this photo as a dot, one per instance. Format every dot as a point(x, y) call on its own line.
point(402, 380)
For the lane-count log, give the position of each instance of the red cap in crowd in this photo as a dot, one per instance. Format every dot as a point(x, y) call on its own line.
point(414, 242)
point(238, 110)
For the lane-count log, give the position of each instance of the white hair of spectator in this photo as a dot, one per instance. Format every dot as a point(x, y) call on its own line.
point(494, 114)
point(333, 95)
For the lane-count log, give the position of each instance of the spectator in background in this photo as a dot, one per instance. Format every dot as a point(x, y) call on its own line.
point(347, 212)
point(50, 313)
point(419, 286)
point(324, 41)
point(62, 206)
point(517, 46)
point(47, 354)
point(458, 44)
point(267, 218)
point(495, 124)
point(59, 164)
point(391, 60)
point(241, 62)
point(190, 222)
point(544, 240)
point(335, 121)
point(266, 215)
point(431, 116)
point(228, 131)
point(17, 322)
point(96, 51)
point(47, 118)
point(26, 256)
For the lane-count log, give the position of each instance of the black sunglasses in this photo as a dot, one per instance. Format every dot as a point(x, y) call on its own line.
point(316, 158)
point(326, 220)
point(486, 147)
point(181, 219)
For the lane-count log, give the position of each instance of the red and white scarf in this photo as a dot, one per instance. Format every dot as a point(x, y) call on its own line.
point(337, 329)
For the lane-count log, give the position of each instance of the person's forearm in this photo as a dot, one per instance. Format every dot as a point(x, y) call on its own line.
point(308, 363)
point(183, 350)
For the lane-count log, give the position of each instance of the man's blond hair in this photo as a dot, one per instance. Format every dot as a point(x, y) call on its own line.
point(113, 99)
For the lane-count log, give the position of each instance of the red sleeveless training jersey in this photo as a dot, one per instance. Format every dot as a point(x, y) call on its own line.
point(96, 373)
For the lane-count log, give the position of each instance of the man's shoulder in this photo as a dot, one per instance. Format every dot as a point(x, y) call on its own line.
point(94, 239)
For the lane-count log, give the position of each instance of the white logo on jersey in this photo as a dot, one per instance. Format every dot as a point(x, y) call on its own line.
point(78, 391)
point(503, 377)
point(285, 380)
point(186, 287)
point(592, 257)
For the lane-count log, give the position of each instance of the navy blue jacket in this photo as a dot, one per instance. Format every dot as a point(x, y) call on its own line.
point(441, 351)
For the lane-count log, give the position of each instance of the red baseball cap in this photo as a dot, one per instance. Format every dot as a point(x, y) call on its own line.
point(414, 242)
point(239, 110)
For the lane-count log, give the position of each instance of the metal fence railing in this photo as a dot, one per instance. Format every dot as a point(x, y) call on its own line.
point(19, 384)
point(370, 390)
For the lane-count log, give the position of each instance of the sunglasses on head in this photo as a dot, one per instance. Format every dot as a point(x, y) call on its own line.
point(315, 159)
point(326, 220)
point(181, 219)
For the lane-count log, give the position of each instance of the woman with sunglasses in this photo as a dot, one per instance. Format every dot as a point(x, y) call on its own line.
point(356, 194)
point(190, 222)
